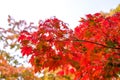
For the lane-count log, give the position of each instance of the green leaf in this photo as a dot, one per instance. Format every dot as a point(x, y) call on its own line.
point(111, 44)
point(15, 62)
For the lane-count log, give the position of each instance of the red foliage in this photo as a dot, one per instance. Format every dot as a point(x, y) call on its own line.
point(26, 50)
point(92, 49)
point(61, 73)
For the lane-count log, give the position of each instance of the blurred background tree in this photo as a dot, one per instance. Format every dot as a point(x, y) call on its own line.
point(112, 11)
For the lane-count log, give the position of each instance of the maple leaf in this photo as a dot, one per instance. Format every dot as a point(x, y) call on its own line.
point(61, 73)
point(21, 37)
point(26, 50)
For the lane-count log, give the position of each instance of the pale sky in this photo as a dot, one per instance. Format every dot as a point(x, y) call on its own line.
point(69, 11)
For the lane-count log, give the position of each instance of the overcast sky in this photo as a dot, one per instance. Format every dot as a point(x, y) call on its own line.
point(69, 11)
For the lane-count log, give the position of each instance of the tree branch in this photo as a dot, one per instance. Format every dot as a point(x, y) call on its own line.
point(96, 44)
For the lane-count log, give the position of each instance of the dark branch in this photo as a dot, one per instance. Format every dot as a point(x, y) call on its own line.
point(96, 43)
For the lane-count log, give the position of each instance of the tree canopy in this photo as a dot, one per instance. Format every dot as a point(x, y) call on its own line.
point(91, 49)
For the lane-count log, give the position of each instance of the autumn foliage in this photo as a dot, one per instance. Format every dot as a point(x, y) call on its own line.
point(9, 72)
point(91, 50)
point(10, 67)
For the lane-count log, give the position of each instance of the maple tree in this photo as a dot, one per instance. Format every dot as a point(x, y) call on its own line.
point(10, 67)
point(91, 50)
